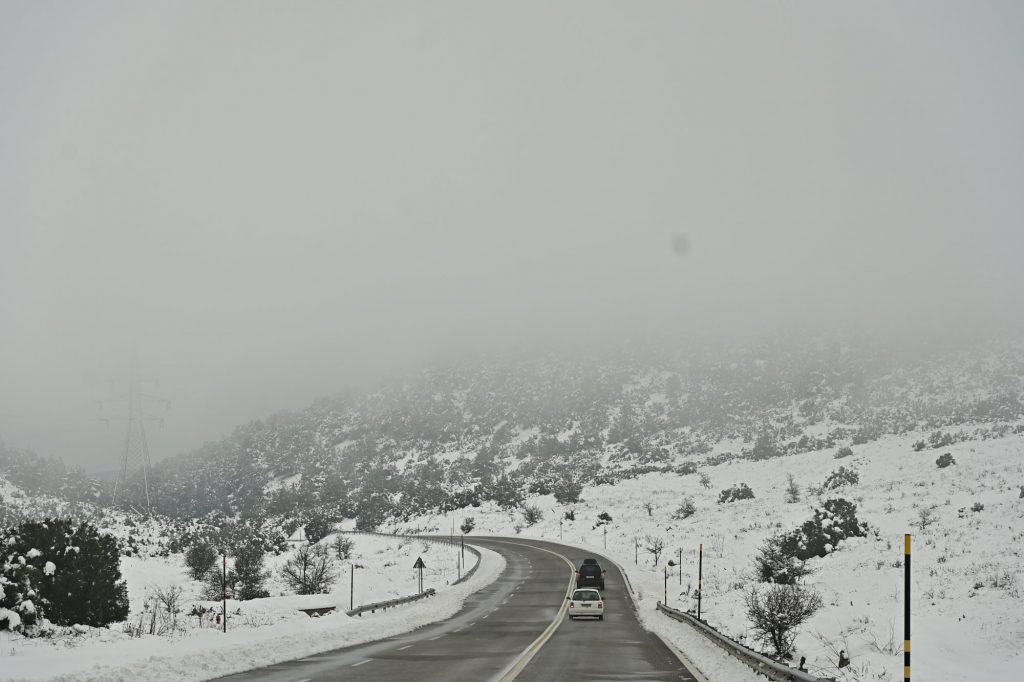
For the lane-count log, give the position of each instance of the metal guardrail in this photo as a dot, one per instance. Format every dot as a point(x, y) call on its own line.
point(771, 669)
point(469, 574)
point(385, 605)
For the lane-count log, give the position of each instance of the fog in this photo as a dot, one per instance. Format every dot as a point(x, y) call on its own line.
point(271, 202)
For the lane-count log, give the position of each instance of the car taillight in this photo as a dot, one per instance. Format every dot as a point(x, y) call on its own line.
point(572, 605)
point(600, 604)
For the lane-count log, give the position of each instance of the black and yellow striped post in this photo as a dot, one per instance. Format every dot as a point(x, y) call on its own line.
point(906, 608)
point(700, 577)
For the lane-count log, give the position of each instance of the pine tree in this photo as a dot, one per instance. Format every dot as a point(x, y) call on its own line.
point(76, 575)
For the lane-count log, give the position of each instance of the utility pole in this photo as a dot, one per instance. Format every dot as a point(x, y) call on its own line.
point(352, 587)
point(606, 537)
point(136, 445)
point(680, 564)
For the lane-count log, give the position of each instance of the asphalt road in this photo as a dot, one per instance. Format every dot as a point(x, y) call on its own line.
point(486, 640)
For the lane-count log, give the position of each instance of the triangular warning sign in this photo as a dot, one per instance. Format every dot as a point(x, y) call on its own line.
point(419, 563)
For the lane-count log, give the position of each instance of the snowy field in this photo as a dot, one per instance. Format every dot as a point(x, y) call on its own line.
point(968, 612)
point(260, 631)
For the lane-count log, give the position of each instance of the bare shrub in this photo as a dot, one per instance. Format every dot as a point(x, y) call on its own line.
point(654, 546)
point(343, 546)
point(310, 570)
point(925, 518)
point(705, 480)
point(166, 601)
point(777, 614)
point(532, 514)
point(792, 489)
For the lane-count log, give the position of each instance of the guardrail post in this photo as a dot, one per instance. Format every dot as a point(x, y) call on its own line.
point(906, 607)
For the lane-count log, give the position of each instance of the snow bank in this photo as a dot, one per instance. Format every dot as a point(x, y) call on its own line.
point(261, 632)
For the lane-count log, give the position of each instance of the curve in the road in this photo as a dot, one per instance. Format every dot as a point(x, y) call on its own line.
point(507, 630)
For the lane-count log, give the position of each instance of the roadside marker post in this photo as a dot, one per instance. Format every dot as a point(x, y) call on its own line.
point(700, 577)
point(906, 607)
point(224, 590)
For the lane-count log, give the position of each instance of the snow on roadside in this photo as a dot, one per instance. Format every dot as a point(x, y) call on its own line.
point(968, 575)
point(263, 632)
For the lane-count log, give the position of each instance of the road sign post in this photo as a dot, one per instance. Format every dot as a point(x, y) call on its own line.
point(419, 565)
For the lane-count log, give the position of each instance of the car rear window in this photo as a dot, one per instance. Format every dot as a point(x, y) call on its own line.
point(586, 595)
point(590, 570)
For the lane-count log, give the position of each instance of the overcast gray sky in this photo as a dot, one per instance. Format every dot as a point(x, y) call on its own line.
point(276, 200)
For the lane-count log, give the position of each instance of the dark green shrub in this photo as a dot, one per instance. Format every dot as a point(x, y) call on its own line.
point(248, 575)
point(200, 558)
point(737, 492)
point(841, 477)
point(685, 510)
point(778, 560)
point(944, 461)
point(71, 574)
point(835, 522)
point(843, 452)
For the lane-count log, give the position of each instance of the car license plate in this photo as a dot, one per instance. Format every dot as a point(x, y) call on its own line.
point(585, 605)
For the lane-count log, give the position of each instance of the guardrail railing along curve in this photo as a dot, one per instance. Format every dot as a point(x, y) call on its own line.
point(771, 669)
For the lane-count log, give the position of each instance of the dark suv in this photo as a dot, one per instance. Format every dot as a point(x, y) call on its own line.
point(590, 575)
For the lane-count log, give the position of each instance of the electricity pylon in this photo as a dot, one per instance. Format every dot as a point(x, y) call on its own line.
point(136, 446)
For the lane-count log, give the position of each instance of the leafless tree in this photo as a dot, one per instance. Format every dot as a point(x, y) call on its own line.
point(649, 508)
point(778, 613)
point(655, 546)
point(705, 480)
point(310, 570)
point(792, 489)
point(166, 601)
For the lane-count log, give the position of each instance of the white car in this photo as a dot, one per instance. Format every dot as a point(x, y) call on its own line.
point(586, 602)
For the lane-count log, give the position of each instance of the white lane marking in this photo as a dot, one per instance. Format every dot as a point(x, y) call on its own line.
point(438, 637)
point(403, 648)
point(485, 615)
point(361, 662)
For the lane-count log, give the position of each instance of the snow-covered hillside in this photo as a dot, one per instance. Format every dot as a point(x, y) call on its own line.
point(968, 573)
